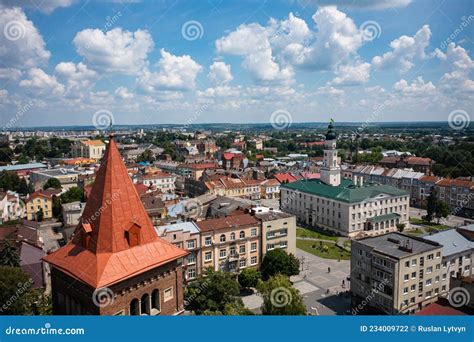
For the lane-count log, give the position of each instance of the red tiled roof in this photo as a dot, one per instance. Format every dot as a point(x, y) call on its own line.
point(229, 156)
point(227, 222)
point(48, 193)
point(440, 308)
point(432, 179)
point(283, 177)
point(456, 182)
point(104, 256)
point(141, 188)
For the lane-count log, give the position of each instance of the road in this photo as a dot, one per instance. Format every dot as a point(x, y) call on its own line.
point(452, 221)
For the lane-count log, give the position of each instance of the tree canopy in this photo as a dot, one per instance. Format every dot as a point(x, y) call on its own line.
point(278, 261)
point(280, 297)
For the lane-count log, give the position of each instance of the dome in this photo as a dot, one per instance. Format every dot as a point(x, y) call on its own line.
point(331, 135)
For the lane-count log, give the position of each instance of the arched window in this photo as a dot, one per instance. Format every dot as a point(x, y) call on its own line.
point(242, 234)
point(145, 304)
point(222, 238)
point(232, 236)
point(134, 307)
point(155, 301)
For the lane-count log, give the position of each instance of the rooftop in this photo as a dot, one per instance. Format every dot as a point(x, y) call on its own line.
point(184, 226)
point(346, 191)
point(227, 222)
point(453, 242)
point(399, 245)
point(19, 167)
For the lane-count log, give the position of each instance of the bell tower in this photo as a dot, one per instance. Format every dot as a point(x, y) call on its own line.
point(330, 171)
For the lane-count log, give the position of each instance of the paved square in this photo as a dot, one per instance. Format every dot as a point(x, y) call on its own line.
point(320, 279)
point(305, 287)
point(340, 275)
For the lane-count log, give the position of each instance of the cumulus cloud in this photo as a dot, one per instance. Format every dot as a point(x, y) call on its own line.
point(117, 51)
point(220, 73)
point(78, 77)
point(350, 75)
point(123, 93)
point(174, 73)
point(362, 4)
point(46, 6)
point(405, 51)
point(417, 88)
point(10, 74)
point(40, 83)
point(21, 44)
point(330, 91)
point(457, 80)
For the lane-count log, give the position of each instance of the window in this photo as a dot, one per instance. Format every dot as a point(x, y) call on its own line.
point(253, 260)
point(191, 273)
point(283, 244)
point(406, 277)
point(232, 236)
point(191, 259)
point(155, 299)
point(242, 263)
point(413, 262)
point(208, 241)
point(242, 249)
point(191, 244)
point(168, 294)
point(208, 256)
point(429, 270)
point(405, 290)
point(430, 257)
point(222, 253)
point(428, 282)
point(253, 247)
point(407, 263)
point(413, 275)
point(242, 234)
point(413, 288)
point(222, 238)
point(253, 232)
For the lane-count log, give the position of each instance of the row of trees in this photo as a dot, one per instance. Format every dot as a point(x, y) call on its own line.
point(435, 208)
point(218, 292)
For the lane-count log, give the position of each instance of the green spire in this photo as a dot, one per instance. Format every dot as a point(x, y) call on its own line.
point(331, 135)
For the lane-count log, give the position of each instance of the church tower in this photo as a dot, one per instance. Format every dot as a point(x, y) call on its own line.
point(116, 264)
point(330, 171)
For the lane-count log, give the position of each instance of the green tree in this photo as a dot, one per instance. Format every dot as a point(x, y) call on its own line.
point(278, 261)
point(9, 255)
point(401, 227)
point(9, 180)
point(431, 204)
point(212, 292)
point(73, 194)
point(442, 210)
point(280, 297)
point(52, 183)
point(249, 277)
point(146, 156)
point(14, 287)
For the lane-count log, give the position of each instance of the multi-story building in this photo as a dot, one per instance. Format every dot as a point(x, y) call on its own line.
point(67, 177)
point(185, 235)
point(159, 180)
point(93, 149)
point(459, 194)
point(195, 170)
point(234, 187)
point(72, 212)
point(41, 201)
point(395, 273)
point(347, 207)
point(457, 253)
point(270, 188)
point(230, 243)
point(278, 230)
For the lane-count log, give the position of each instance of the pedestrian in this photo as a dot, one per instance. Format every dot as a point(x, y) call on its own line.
point(329, 269)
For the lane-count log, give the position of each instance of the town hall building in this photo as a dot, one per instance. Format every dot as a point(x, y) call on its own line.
point(347, 207)
point(115, 263)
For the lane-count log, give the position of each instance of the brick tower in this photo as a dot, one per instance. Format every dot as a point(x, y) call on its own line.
point(115, 264)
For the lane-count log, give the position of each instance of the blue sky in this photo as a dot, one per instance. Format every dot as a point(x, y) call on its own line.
point(66, 62)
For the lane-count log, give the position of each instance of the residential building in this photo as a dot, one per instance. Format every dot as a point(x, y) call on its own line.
point(350, 208)
point(72, 212)
point(459, 194)
point(395, 273)
point(93, 149)
point(232, 160)
point(67, 177)
point(278, 230)
point(11, 207)
point(195, 170)
point(185, 235)
point(230, 243)
point(116, 254)
point(162, 181)
point(417, 163)
point(270, 188)
point(41, 200)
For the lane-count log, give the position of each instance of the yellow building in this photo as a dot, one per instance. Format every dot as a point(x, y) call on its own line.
point(41, 200)
point(90, 149)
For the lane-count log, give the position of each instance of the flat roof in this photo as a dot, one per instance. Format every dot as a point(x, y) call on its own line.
point(19, 167)
point(390, 244)
point(184, 226)
point(452, 242)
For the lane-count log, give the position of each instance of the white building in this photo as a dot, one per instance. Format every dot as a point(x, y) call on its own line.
point(347, 207)
point(160, 180)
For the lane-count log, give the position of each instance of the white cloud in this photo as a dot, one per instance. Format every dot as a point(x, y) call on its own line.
point(330, 91)
point(220, 73)
point(456, 57)
point(78, 77)
point(116, 50)
point(174, 73)
point(10, 74)
point(40, 83)
point(456, 81)
point(21, 44)
point(405, 51)
point(123, 93)
point(350, 75)
point(363, 4)
point(417, 88)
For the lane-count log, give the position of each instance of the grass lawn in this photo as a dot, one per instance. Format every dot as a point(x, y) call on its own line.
point(415, 232)
point(434, 225)
point(333, 252)
point(307, 233)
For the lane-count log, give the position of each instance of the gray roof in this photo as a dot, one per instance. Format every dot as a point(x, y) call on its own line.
point(19, 167)
point(452, 241)
point(184, 226)
point(387, 244)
